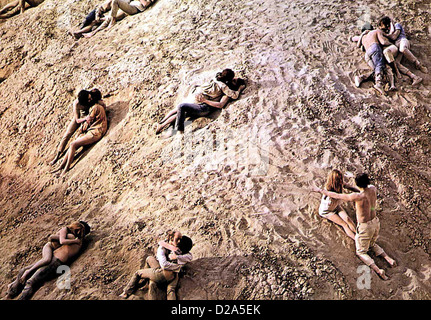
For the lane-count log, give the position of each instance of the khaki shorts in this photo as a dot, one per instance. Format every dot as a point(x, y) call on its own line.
point(366, 237)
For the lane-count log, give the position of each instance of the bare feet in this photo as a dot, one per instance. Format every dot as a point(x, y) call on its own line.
point(382, 274)
point(421, 67)
point(416, 81)
point(124, 295)
point(379, 88)
point(357, 81)
point(391, 261)
point(88, 35)
point(55, 159)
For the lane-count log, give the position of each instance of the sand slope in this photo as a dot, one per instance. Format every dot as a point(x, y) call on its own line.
point(237, 183)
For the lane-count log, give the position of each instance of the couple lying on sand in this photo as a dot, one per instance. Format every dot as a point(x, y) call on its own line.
point(365, 199)
point(60, 250)
point(208, 97)
point(97, 21)
point(385, 47)
point(62, 247)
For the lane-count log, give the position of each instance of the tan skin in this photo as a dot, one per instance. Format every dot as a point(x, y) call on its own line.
point(113, 20)
point(365, 204)
point(76, 119)
point(54, 247)
point(171, 244)
point(200, 98)
point(75, 145)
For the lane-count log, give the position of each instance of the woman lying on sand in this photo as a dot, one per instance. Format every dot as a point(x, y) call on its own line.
point(330, 208)
point(93, 128)
point(210, 97)
point(95, 18)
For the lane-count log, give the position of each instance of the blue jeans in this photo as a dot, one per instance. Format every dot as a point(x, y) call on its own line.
point(190, 109)
point(375, 52)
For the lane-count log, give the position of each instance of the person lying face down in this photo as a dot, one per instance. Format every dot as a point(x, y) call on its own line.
point(208, 97)
point(60, 250)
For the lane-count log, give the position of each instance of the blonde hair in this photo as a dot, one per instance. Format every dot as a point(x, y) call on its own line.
point(335, 181)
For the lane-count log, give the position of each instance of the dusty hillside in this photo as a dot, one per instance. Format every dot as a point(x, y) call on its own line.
point(237, 183)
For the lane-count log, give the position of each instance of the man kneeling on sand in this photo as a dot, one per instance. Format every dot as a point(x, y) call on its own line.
point(172, 255)
point(60, 250)
point(368, 223)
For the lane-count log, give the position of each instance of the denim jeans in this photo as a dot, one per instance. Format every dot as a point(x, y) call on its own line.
point(190, 109)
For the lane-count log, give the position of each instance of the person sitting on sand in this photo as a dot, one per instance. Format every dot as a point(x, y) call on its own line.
point(60, 250)
point(16, 6)
point(81, 106)
point(330, 208)
point(95, 18)
point(209, 97)
point(171, 256)
point(372, 41)
point(368, 223)
point(93, 129)
point(396, 33)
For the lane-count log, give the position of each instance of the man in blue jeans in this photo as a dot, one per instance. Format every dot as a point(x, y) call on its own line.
point(208, 97)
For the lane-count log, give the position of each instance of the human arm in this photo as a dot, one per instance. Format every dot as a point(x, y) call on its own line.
point(168, 246)
point(181, 258)
point(340, 196)
point(382, 39)
point(63, 238)
point(350, 187)
point(76, 113)
point(229, 92)
point(215, 104)
point(163, 261)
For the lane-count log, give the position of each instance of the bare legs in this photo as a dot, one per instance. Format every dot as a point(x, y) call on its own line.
point(167, 120)
point(46, 259)
point(345, 222)
point(80, 142)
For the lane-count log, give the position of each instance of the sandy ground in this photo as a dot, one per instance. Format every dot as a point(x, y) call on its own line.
point(237, 183)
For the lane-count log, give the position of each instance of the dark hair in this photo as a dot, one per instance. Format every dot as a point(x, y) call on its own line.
point(185, 244)
point(86, 227)
point(386, 21)
point(236, 83)
point(362, 180)
point(83, 98)
point(96, 95)
point(226, 76)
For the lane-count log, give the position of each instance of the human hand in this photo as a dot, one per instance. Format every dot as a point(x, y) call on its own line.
point(315, 189)
point(172, 256)
point(199, 98)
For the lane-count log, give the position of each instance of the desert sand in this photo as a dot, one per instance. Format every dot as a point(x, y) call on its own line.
point(238, 181)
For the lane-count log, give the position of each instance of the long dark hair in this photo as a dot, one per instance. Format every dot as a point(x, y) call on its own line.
point(235, 84)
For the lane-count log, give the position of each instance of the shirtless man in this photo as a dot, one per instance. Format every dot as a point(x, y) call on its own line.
point(368, 223)
point(17, 6)
point(373, 41)
point(63, 255)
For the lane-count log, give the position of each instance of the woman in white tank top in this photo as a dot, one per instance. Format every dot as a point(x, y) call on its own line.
point(330, 208)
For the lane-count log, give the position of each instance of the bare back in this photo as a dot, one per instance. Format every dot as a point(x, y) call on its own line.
point(375, 36)
point(366, 207)
point(67, 252)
